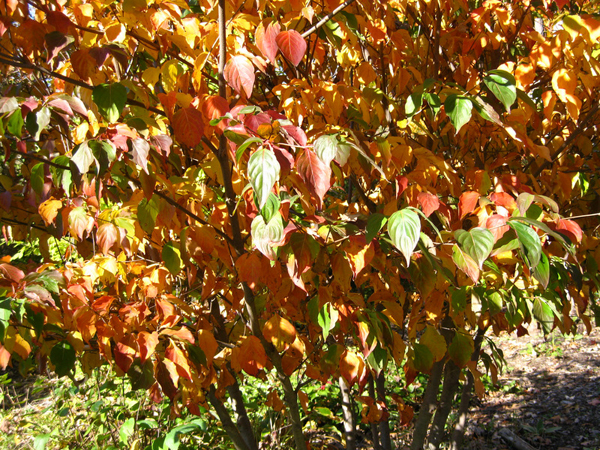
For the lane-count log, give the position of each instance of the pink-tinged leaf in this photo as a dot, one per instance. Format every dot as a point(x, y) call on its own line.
point(497, 225)
point(80, 222)
point(428, 202)
point(266, 40)
point(163, 143)
point(467, 202)
point(140, 149)
point(62, 105)
point(11, 272)
point(292, 45)
point(315, 173)
point(465, 263)
point(188, 124)
point(571, 227)
point(106, 236)
point(239, 74)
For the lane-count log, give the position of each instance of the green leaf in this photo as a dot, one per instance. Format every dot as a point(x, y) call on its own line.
point(465, 263)
point(41, 441)
point(172, 439)
point(495, 302)
point(375, 223)
point(147, 212)
point(503, 86)
point(326, 148)
point(413, 103)
point(543, 314)
point(126, 430)
point(477, 243)
point(110, 99)
point(271, 207)
point(264, 234)
point(461, 349)
point(422, 358)
point(62, 177)
point(328, 317)
point(404, 228)
point(141, 375)
point(37, 178)
point(263, 170)
point(83, 158)
point(529, 242)
point(15, 123)
point(37, 122)
point(542, 271)
point(459, 299)
point(434, 102)
point(63, 357)
point(247, 143)
point(171, 255)
point(458, 110)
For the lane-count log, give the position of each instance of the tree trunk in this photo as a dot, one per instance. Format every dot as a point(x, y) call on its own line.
point(374, 428)
point(232, 431)
point(384, 425)
point(449, 388)
point(427, 407)
point(349, 422)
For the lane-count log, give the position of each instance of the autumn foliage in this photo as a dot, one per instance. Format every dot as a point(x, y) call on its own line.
point(320, 190)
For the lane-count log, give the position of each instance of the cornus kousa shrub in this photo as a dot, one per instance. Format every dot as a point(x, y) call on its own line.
point(321, 191)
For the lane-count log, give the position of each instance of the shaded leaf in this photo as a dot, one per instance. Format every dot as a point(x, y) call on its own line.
point(188, 125)
point(110, 99)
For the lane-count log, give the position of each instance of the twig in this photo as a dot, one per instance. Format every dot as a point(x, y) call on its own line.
point(325, 19)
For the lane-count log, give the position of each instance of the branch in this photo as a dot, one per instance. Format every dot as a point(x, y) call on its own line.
point(580, 129)
point(325, 19)
point(41, 159)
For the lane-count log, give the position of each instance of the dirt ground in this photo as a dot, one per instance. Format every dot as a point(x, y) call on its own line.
point(548, 395)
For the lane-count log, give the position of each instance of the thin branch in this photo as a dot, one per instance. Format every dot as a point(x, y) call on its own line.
point(325, 19)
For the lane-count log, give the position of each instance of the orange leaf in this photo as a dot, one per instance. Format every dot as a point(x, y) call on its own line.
point(124, 356)
point(467, 202)
point(188, 125)
point(4, 357)
point(280, 332)
point(147, 343)
point(571, 227)
point(176, 355)
point(49, 210)
point(428, 202)
point(359, 253)
point(208, 344)
point(351, 367)
point(292, 45)
point(239, 74)
point(252, 357)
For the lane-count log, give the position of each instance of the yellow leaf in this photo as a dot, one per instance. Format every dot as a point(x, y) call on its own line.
point(435, 342)
point(49, 210)
point(351, 367)
point(280, 332)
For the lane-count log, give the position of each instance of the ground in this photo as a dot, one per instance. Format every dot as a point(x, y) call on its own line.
point(549, 394)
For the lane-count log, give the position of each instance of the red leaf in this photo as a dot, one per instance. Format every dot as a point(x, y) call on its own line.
point(239, 73)
point(215, 107)
point(401, 185)
point(124, 356)
point(188, 124)
point(571, 227)
point(429, 202)
point(107, 236)
point(292, 45)
point(266, 40)
point(315, 173)
point(4, 357)
point(467, 202)
point(497, 225)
